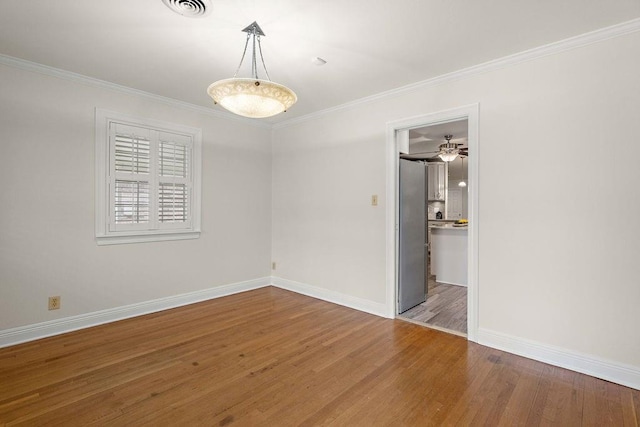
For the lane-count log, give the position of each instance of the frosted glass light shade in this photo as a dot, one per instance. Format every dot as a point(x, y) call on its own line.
point(252, 97)
point(462, 184)
point(448, 156)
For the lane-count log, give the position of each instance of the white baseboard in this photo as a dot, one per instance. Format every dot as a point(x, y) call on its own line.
point(451, 283)
point(587, 364)
point(379, 309)
point(60, 326)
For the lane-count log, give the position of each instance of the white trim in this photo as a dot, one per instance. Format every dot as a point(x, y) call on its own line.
point(496, 64)
point(356, 303)
point(609, 370)
point(464, 285)
point(575, 42)
point(470, 113)
point(104, 201)
point(437, 328)
point(60, 326)
point(23, 64)
point(159, 236)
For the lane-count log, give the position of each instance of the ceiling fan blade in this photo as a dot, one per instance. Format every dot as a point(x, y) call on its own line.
point(420, 138)
point(424, 152)
point(418, 156)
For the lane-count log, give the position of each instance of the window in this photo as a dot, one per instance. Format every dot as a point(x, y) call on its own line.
point(147, 180)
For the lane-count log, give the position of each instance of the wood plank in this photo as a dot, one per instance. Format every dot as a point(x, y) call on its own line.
point(445, 307)
point(273, 357)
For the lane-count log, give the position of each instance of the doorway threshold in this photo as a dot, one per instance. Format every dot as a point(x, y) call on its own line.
point(426, 325)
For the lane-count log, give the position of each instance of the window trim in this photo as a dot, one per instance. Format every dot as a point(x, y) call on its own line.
point(105, 236)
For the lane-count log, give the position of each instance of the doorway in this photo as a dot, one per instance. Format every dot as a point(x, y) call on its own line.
point(437, 203)
point(398, 143)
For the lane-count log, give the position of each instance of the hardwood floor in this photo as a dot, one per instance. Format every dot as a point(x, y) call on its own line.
point(445, 307)
point(272, 357)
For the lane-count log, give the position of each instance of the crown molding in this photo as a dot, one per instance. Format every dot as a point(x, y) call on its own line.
point(23, 64)
point(524, 56)
point(496, 64)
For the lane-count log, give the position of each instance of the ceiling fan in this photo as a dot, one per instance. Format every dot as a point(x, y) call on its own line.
point(447, 151)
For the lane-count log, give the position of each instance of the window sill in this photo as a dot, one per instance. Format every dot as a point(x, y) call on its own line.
point(145, 238)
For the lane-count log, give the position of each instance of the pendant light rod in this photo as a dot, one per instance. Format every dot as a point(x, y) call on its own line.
point(253, 33)
point(262, 59)
point(243, 53)
point(462, 183)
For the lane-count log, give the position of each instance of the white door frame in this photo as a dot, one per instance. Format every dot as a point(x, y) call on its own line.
point(470, 113)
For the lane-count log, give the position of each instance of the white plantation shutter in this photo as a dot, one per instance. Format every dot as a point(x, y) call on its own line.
point(174, 184)
point(131, 202)
point(132, 151)
point(131, 177)
point(151, 182)
point(173, 203)
point(174, 155)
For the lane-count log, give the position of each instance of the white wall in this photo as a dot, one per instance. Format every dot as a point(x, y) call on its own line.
point(325, 231)
point(566, 276)
point(47, 243)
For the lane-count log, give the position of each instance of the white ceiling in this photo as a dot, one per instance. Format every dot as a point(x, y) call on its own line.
point(370, 46)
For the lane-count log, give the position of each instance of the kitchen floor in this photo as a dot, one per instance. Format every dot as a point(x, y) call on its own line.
point(445, 307)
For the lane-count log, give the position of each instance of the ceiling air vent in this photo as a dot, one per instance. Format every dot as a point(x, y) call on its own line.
point(190, 8)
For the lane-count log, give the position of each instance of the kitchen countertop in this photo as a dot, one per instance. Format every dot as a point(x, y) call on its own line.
point(447, 227)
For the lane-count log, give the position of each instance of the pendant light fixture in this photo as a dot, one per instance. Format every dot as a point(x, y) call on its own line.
point(448, 151)
point(463, 182)
point(252, 97)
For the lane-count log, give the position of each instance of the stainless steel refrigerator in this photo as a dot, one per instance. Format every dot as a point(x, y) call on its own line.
point(412, 254)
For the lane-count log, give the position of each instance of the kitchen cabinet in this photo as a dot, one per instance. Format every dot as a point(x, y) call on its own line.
point(449, 254)
point(437, 181)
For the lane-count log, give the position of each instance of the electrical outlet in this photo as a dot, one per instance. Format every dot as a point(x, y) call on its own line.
point(54, 303)
point(374, 200)
point(273, 265)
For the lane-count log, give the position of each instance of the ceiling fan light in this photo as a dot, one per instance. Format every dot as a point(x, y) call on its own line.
point(448, 156)
point(462, 184)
